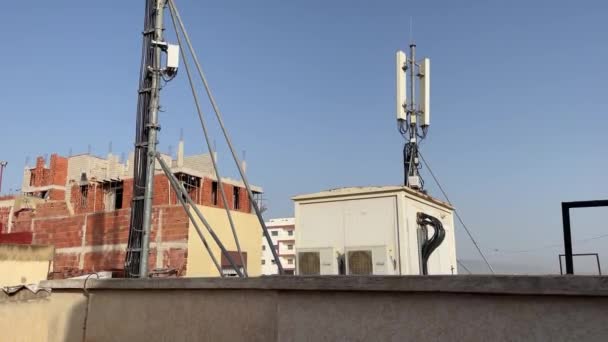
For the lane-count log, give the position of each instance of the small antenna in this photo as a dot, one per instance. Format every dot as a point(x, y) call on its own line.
point(181, 134)
point(110, 147)
point(89, 149)
point(70, 152)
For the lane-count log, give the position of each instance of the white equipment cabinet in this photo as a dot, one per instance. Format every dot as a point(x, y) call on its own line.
point(369, 230)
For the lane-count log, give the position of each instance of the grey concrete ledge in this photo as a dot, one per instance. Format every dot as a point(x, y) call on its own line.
point(473, 284)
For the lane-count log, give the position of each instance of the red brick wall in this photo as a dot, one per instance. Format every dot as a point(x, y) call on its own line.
point(4, 216)
point(105, 237)
point(108, 228)
point(207, 199)
point(56, 195)
point(94, 199)
point(162, 192)
point(61, 232)
point(174, 224)
point(127, 192)
point(56, 174)
point(22, 221)
point(21, 238)
point(245, 203)
point(63, 262)
point(52, 208)
point(163, 195)
point(58, 170)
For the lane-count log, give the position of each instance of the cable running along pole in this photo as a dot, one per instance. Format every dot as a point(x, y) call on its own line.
point(218, 115)
point(220, 183)
point(136, 261)
point(456, 212)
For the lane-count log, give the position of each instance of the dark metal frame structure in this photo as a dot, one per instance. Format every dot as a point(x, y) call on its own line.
point(566, 206)
point(597, 258)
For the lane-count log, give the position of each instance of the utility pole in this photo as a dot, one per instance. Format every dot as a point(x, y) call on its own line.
point(136, 263)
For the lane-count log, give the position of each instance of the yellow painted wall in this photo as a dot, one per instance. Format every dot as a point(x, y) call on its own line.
point(24, 264)
point(58, 317)
point(249, 233)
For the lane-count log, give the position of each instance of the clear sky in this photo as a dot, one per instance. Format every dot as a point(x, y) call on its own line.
point(519, 101)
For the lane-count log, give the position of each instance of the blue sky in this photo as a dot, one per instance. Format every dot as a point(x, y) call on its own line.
point(306, 87)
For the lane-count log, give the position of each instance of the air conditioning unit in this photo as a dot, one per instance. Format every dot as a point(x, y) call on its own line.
point(366, 260)
point(316, 261)
point(360, 262)
point(309, 263)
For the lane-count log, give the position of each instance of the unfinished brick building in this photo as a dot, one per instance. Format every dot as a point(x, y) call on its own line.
point(81, 205)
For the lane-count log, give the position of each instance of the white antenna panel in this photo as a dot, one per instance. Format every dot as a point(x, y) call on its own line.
point(425, 91)
point(401, 85)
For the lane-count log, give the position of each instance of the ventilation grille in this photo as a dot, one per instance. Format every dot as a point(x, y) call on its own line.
point(309, 263)
point(360, 262)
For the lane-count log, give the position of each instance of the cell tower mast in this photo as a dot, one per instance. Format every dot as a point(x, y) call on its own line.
point(413, 118)
point(136, 262)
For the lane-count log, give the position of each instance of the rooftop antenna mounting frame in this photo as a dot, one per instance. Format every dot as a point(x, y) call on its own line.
point(413, 119)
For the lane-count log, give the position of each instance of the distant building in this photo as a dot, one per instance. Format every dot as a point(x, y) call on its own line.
point(81, 205)
point(369, 230)
point(281, 231)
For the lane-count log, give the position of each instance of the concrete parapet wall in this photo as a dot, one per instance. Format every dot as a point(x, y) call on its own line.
point(436, 308)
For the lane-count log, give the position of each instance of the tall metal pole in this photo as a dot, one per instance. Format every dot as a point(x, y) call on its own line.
point(2, 166)
point(410, 153)
point(136, 259)
point(153, 129)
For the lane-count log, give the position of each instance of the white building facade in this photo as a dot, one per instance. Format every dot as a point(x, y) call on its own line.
point(282, 232)
point(370, 230)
